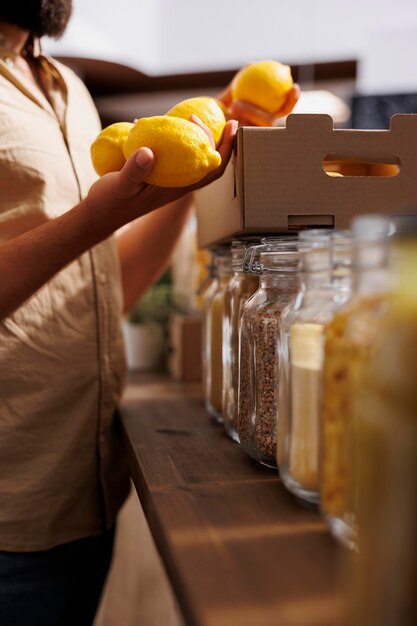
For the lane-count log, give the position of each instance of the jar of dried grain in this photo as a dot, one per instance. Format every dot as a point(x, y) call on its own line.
point(259, 354)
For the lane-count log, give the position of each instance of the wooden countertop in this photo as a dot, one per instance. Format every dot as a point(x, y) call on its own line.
point(238, 549)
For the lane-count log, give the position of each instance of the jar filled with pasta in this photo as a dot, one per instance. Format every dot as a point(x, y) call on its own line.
point(384, 582)
point(348, 343)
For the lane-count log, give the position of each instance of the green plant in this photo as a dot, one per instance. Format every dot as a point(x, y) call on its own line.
point(155, 306)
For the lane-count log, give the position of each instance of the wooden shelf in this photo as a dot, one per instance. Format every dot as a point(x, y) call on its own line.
point(238, 549)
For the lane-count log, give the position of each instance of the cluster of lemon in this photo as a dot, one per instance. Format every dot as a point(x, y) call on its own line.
point(183, 152)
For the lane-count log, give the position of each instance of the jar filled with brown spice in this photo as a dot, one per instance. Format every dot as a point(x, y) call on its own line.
point(259, 354)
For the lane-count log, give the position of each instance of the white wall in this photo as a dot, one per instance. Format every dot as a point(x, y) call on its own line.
point(225, 33)
point(124, 31)
point(168, 36)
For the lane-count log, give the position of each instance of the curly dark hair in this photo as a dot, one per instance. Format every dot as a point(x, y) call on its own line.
point(40, 17)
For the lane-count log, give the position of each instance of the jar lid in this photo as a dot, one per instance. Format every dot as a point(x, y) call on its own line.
point(275, 256)
point(239, 247)
point(238, 244)
point(314, 248)
point(371, 227)
point(341, 249)
point(221, 250)
point(370, 249)
point(223, 265)
point(251, 259)
point(314, 238)
point(278, 238)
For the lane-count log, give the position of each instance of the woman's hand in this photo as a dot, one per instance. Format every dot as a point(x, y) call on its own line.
point(250, 115)
point(120, 197)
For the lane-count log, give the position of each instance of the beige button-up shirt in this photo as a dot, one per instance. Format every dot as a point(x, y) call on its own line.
point(63, 475)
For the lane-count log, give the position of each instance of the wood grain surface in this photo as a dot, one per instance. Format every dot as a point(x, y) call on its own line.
point(238, 549)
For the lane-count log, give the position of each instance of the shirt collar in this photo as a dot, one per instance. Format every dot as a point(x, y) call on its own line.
point(54, 104)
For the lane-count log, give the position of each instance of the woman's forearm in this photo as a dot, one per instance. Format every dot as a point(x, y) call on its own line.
point(31, 259)
point(28, 261)
point(146, 246)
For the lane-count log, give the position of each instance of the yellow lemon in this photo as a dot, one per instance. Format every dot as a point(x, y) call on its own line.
point(107, 149)
point(207, 109)
point(183, 154)
point(222, 106)
point(264, 84)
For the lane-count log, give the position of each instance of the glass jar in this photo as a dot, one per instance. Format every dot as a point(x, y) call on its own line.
point(207, 292)
point(341, 266)
point(383, 589)
point(348, 339)
point(213, 333)
point(240, 288)
point(260, 339)
point(301, 368)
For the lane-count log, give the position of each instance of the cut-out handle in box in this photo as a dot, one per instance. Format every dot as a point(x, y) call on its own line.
point(338, 165)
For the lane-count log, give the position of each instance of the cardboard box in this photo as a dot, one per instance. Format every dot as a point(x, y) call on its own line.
point(278, 178)
point(185, 347)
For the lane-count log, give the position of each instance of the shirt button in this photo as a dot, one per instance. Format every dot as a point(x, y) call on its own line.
point(103, 278)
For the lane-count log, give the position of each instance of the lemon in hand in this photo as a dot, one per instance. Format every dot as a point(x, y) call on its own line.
point(264, 84)
point(182, 150)
point(207, 109)
point(107, 149)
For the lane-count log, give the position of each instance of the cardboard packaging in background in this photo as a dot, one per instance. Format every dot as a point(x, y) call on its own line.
point(278, 178)
point(185, 347)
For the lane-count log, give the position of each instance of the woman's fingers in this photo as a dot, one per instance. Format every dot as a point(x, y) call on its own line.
point(157, 196)
point(225, 150)
point(290, 102)
point(225, 147)
point(196, 120)
point(132, 174)
point(249, 115)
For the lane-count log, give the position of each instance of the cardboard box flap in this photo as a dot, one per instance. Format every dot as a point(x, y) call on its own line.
point(373, 145)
